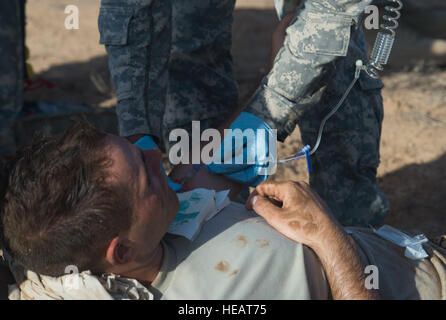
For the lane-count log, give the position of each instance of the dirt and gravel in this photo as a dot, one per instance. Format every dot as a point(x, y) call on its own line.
point(413, 147)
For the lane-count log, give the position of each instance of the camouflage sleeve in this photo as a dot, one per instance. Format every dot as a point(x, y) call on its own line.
point(136, 35)
point(318, 35)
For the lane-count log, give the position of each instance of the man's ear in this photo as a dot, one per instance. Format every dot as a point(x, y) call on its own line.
point(120, 251)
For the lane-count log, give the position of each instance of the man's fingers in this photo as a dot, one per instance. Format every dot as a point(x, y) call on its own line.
point(276, 190)
point(264, 207)
point(248, 204)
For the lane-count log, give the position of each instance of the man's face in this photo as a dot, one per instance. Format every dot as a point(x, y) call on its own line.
point(155, 204)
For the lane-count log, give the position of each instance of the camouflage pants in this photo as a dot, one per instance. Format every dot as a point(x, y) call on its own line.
point(202, 85)
point(11, 69)
point(345, 165)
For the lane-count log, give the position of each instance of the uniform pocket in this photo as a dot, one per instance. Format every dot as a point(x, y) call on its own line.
point(113, 25)
point(320, 33)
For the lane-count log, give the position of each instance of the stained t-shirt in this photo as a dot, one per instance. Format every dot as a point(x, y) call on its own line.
point(237, 255)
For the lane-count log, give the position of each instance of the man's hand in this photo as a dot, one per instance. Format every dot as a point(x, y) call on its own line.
point(297, 212)
point(249, 161)
point(294, 210)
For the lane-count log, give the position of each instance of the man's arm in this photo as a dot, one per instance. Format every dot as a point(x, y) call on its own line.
point(137, 34)
point(318, 35)
point(297, 212)
point(343, 267)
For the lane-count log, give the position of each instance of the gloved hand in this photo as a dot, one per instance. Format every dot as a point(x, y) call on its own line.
point(147, 143)
point(253, 161)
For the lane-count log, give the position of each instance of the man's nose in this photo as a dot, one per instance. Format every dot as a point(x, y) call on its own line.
point(153, 161)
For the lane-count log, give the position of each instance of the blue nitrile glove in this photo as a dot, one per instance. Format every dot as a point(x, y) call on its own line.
point(264, 155)
point(147, 143)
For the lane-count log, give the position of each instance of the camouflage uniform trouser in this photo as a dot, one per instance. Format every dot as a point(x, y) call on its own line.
point(11, 70)
point(202, 85)
point(345, 164)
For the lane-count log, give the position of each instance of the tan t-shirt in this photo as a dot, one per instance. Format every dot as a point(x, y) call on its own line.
point(237, 255)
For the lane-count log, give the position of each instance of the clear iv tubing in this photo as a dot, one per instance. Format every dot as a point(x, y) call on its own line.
point(301, 154)
point(359, 67)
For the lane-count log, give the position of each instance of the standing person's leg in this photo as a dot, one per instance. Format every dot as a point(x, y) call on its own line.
point(345, 165)
point(11, 69)
point(137, 37)
point(202, 85)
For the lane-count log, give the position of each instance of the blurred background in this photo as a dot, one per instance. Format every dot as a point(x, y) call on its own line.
point(413, 146)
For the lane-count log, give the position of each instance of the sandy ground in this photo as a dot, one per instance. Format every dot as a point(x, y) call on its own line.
point(413, 148)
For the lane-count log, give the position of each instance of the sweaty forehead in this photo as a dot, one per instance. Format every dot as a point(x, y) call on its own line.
point(124, 158)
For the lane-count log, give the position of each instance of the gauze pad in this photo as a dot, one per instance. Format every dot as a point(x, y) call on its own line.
point(197, 207)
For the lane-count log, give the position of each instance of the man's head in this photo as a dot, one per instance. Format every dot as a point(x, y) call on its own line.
point(85, 198)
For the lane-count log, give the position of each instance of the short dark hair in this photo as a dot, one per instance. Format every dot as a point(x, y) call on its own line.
point(59, 208)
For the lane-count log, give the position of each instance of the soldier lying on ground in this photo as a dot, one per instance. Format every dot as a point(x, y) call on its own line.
point(97, 202)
